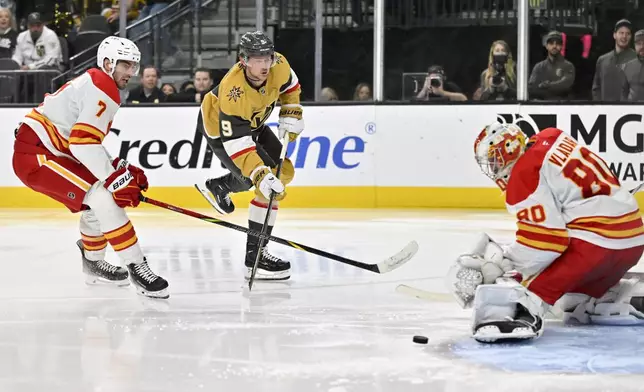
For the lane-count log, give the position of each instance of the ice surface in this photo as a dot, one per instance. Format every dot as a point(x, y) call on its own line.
point(331, 328)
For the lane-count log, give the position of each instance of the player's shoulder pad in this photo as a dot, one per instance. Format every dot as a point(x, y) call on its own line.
point(105, 83)
point(526, 173)
point(231, 93)
point(281, 68)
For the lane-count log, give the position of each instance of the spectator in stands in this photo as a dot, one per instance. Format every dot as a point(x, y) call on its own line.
point(633, 87)
point(8, 34)
point(187, 93)
point(552, 78)
point(38, 47)
point(203, 83)
point(168, 89)
point(187, 86)
point(362, 92)
point(476, 96)
point(498, 80)
point(328, 94)
point(194, 92)
point(147, 92)
point(609, 78)
point(438, 87)
point(11, 6)
point(112, 13)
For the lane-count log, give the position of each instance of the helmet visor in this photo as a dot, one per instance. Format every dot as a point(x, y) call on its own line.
point(491, 162)
point(264, 61)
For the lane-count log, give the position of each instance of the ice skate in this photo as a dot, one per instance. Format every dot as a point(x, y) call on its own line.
point(97, 272)
point(148, 283)
point(524, 326)
point(219, 196)
point(269, 267)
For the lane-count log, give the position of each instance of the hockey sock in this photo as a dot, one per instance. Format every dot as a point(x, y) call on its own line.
point(256, 215)
point(94, 242)
point(114, 224)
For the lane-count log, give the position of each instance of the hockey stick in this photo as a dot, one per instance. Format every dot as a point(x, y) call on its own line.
point(637, 189)
point(382, 267)
point(262, 243)
point(423, 294)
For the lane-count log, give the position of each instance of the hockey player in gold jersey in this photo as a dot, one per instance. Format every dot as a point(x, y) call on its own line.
point(232, 119)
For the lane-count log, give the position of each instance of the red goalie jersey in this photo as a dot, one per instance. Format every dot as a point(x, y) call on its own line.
point(578, 230)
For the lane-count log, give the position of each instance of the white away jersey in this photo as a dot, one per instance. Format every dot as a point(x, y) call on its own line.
point(560, 190)
point(73, 121)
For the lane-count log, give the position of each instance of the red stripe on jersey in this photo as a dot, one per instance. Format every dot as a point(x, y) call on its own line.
point(524, 179)
point(290, 90)
point(259, 204)
point(105, 83)
point(542, 237)
point(634, 224)
point(242, 152)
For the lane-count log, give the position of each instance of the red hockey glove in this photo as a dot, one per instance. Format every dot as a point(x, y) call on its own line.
point(139, 176)
point(125, 191)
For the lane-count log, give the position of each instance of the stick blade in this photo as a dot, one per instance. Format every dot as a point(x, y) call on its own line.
point(637, 189)
point(422, 294)
point(398, 259)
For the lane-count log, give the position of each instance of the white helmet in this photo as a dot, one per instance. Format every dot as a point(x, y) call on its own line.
point(116, 48)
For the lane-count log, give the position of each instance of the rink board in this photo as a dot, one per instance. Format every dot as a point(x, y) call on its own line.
point(369, 156)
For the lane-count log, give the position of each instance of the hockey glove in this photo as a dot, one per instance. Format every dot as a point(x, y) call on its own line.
point(266, 182)
point(139, 176)
point(124, 189)
point(483, 264)
point(290, 121)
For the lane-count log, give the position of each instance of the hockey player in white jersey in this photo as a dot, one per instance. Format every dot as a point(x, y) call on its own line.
point(59, 152)
point(578, 233)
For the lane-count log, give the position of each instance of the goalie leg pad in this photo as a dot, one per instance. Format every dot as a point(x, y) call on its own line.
point(613, 308)
point(506, 311)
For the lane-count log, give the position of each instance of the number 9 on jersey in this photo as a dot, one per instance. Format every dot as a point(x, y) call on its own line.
point(226, 128)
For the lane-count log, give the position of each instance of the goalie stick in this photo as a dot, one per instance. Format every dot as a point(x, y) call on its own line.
point(423, 294)
point(387, 265)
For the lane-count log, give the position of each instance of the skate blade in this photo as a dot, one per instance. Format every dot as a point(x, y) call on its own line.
point(498, 337)
point(267, 276)
point(208, 196)
point(161, 294)
point(92, 280)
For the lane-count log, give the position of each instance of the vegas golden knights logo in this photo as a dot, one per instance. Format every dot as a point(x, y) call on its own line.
point(258, 118)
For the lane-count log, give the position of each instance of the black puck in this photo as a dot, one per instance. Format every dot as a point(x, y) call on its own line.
point(420, 339)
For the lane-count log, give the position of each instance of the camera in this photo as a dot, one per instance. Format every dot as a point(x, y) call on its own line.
point(435, 81)
point(498, 63)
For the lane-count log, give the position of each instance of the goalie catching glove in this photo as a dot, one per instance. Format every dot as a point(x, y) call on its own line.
point(264, 180)
point(484, 264)
point(290, 121)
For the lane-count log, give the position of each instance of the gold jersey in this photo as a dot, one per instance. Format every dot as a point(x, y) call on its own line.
point(235, 109)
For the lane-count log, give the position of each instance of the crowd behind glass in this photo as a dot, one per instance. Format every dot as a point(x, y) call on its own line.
point(28, 42)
